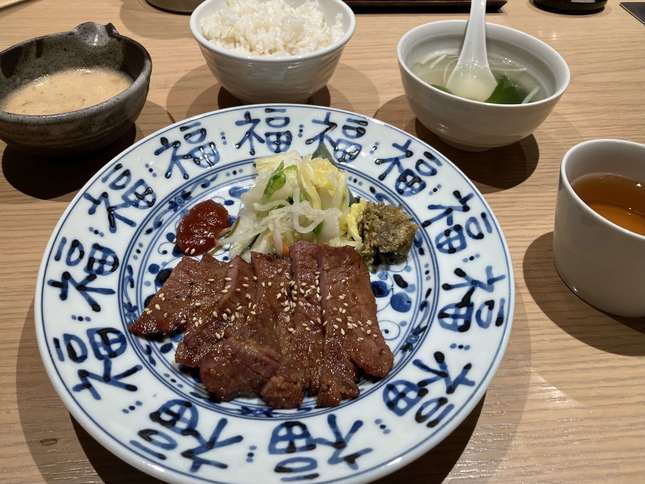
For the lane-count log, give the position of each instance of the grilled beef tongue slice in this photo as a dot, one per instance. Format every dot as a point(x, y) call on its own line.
point(238, 368)
point(353, 339)
point(169, 310)
point(299, 332)
point(280, 327)
point(249, 354)
point(215, 317)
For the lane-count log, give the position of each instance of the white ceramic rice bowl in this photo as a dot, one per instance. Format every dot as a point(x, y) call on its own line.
point(273, 79)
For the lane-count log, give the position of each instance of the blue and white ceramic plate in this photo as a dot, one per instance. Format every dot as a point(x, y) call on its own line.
point(446, 313)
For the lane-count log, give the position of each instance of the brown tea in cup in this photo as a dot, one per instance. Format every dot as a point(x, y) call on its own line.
point(619, 199)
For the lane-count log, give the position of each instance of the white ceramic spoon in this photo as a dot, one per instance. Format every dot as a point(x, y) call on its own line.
point(472, 77)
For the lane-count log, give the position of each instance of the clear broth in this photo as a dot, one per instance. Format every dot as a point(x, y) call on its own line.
point(515, 83)
point(619, 199)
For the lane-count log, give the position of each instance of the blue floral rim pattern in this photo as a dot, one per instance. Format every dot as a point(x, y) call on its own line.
point(446, 312)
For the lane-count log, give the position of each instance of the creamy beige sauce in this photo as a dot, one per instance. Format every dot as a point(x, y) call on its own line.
point(66, 90)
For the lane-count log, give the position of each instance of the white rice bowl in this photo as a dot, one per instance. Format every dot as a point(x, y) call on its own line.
point(271, 28)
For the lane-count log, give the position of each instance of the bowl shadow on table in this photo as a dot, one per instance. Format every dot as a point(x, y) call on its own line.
point(198, 91)
point(613, 334)
point(225, 99)
point(60, 177)
point(52, 435)
point(491, 171)
point(141, 18)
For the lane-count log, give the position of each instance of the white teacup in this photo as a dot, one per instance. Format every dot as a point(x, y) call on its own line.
point(600, 261)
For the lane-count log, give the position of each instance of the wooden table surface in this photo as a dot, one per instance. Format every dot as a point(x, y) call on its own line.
point(568, 402)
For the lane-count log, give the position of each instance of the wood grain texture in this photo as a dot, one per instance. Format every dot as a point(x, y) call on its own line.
point(10, 3)
point(567, 404)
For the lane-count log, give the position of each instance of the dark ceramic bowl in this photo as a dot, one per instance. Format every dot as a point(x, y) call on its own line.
point(179, 6)
point(88, 45)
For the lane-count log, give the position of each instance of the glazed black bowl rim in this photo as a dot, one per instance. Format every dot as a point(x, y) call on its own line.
point(45, 119)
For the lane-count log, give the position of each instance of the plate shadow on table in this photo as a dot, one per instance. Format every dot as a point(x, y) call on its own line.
point(482, 440)
point(109, 467)
point(52, 435)
point(491, 171)
point(198, 91)
point(47, 178)
point(141, 18)
point(435, 465)
point(58, 442)
point(613, 334)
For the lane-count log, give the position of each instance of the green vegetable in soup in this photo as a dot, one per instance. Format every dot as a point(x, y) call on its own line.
point(507, 92)
point(516, 84)
point(441, 88)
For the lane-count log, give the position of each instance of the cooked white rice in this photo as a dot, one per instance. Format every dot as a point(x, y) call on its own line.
point(271, 27)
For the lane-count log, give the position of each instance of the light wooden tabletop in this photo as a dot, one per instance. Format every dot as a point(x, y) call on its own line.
point(568, 402)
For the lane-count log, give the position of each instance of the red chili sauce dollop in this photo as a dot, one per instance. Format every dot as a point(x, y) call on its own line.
point(197, 232)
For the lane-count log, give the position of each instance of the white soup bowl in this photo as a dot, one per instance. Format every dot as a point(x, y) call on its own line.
point(474, 125)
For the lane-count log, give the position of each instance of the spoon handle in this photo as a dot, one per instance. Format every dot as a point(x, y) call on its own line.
point(475, 38)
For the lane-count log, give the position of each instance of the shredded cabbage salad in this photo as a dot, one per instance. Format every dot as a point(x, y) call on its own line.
point(295, 197)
